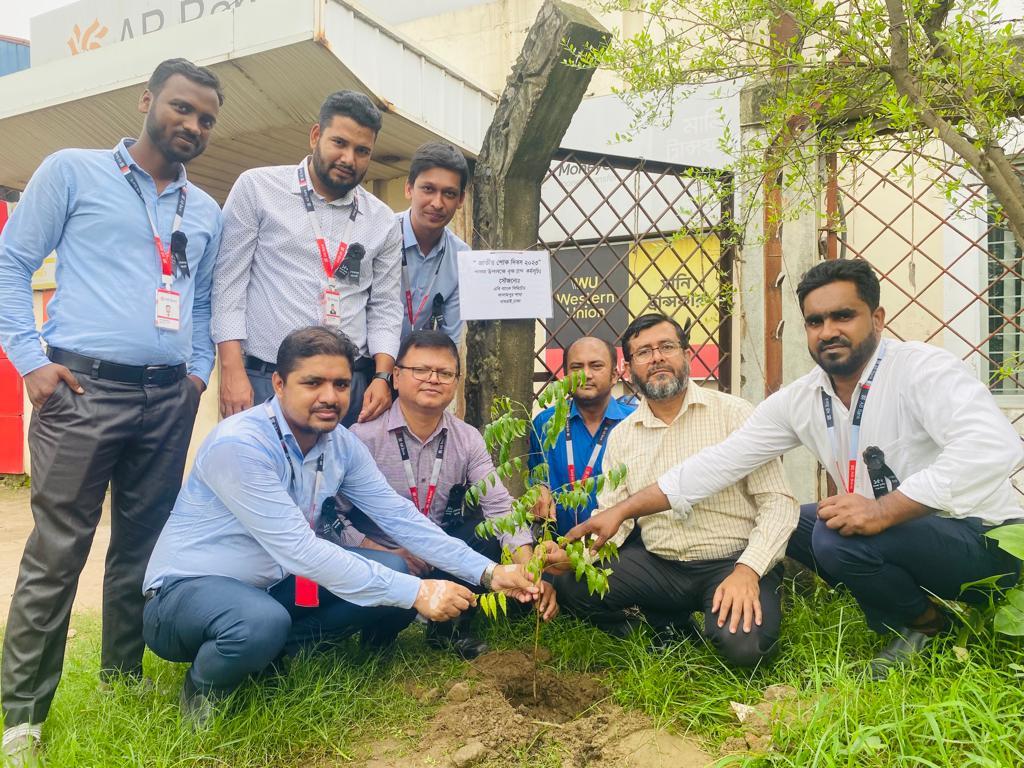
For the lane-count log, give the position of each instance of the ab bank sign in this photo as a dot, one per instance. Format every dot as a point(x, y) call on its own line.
point(91, 24)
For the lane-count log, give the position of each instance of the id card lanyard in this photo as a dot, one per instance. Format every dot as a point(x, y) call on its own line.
point(602, 435)
point(858, 415)
point(307, 594)
point(410, 476)
point(168, 301)
point(330, 300)
point(407, 279)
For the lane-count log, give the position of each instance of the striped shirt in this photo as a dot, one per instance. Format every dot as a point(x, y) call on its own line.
point(751, 520)
point(269, 277)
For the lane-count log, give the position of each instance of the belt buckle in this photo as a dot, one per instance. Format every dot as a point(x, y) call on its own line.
point(151, 375)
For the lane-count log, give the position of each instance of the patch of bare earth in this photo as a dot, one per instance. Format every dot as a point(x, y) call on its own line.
point(493, 716)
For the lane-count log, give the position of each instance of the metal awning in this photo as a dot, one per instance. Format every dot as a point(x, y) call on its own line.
point(277, 62)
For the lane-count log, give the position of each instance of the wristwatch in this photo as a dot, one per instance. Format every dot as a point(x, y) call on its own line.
point(488, 576)
point(382, 375)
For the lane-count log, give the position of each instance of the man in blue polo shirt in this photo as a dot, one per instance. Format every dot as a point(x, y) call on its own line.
point(592, 415)
point(435, 189)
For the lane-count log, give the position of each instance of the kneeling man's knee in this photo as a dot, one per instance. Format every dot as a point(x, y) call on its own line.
point(742, 649)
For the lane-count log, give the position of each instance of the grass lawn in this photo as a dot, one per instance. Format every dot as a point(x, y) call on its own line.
point(963, 705)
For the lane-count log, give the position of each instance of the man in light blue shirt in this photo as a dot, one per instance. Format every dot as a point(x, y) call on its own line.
point(128, 353)
point(239, 575)
point(593, 413)
point(435, 189)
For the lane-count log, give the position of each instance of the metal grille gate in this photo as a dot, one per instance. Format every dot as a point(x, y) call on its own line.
point(629, 237)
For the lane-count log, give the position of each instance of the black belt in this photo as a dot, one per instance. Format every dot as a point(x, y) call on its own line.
point(144, 375)
point(361, 365)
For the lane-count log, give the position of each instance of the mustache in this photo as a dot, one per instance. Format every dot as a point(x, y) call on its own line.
point(836, 342)
point(327, 409)
point(350, 169)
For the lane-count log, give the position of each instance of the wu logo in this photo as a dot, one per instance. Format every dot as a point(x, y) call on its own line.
point(80, 41)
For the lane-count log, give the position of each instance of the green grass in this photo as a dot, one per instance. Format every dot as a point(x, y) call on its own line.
point(946, 711)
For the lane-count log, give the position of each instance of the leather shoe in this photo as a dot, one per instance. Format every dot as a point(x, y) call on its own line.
point(683, 630)
point(907, 645)
point(197, 708)
point(448, 635)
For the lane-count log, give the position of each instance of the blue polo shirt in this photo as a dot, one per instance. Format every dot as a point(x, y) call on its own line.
point(582, 446)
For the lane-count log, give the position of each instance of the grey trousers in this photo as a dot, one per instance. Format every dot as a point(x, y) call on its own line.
point(134, 439)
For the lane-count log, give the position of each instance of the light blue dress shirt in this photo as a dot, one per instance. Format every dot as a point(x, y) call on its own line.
point(582, 446)
point(420, 272)
point(79, 205)
point(241, 514)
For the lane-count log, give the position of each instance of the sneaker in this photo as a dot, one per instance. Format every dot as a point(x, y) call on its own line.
point(908, 645)
point(447, 635)
point(22, 745)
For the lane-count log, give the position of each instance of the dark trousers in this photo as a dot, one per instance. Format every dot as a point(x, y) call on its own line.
point(229, 630)
point(892, 573)
point(263, 388)
point(667, 591)
point(135, 439)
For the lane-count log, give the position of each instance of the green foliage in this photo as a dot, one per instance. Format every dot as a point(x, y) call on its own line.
point(1009, 614)
point(866, 78)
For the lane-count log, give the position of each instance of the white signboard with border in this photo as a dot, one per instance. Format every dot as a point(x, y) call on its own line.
point(505, 285)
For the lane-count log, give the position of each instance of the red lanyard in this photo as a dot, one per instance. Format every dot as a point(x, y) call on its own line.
point(413, 317)
point(330, 267)
point(410, 476)
point(858, 416)
point(166, 262)
point(602, 435)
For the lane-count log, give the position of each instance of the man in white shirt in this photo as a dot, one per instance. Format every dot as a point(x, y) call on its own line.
point(304, 245)
point(913, 524)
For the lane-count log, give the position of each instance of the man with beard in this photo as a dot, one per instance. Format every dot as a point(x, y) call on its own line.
point(722, 557)
point(128, 354)
point(909, 521)
point(239, 578)
point(579, 450)
point(305, 244)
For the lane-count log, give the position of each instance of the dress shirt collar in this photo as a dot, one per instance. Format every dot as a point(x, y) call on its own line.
point(694, 396)
point(123, 146)
point(396, 420)
point(824, 381)
point(409, 237)
point(615, 410)
point(322, 443)
point(306, 162)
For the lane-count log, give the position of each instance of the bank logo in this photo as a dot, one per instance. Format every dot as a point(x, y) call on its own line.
point(89, 40)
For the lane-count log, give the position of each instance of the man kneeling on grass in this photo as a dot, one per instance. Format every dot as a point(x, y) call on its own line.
point(232, 583)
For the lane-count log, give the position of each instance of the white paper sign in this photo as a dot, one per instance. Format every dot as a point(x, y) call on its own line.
point(505, 285)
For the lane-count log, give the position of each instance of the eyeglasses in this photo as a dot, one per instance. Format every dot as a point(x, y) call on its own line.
point(667, 350)
point(444, 376)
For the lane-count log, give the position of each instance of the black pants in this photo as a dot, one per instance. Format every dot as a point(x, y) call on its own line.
point(669, 590)
point(892, 573)
point(134, 439)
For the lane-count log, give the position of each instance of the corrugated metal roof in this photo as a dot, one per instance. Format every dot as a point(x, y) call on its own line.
point(13, 55)
point(277, 62)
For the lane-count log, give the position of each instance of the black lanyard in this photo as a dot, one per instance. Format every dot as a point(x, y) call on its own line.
point(410, 476)
point(292, 474)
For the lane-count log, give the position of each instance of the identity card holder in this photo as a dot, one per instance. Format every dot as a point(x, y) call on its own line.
point(168, 308)
point(307, 593)
point(330, 305)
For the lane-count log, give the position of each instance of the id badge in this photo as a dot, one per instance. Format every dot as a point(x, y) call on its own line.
point(330, 304)
point(168, 309)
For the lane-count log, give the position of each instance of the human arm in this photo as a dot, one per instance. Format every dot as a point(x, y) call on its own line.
point(852, 514)
point(384, 304)
point(416, 566)
point(377, 397)
point(200, 365)
point(239, 239)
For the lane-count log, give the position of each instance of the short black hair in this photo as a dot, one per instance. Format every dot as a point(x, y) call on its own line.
point(612, 354)
point(199, 75)
point(856, 271)
point(350, 104)
point(650, 320)
point(309, 342)
point(427, 339)
point(439, 154)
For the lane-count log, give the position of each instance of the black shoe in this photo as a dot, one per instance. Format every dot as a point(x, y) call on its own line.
point(197, 708)
point(448, 635)
point(907, 646)
point(682, 630)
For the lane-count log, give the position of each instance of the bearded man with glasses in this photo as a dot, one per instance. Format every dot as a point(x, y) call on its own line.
point(431, 457)
point(722, 559)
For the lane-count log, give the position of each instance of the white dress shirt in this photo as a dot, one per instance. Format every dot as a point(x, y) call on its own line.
point(269, 277)
point(943, 436)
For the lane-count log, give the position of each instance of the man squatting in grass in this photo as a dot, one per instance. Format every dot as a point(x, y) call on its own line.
point(114, 396)
point(722, 557)
point(431, 457)
point(943, 442)
point(226, 587)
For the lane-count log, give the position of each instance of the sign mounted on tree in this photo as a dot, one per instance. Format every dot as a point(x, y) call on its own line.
point(505, 285)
